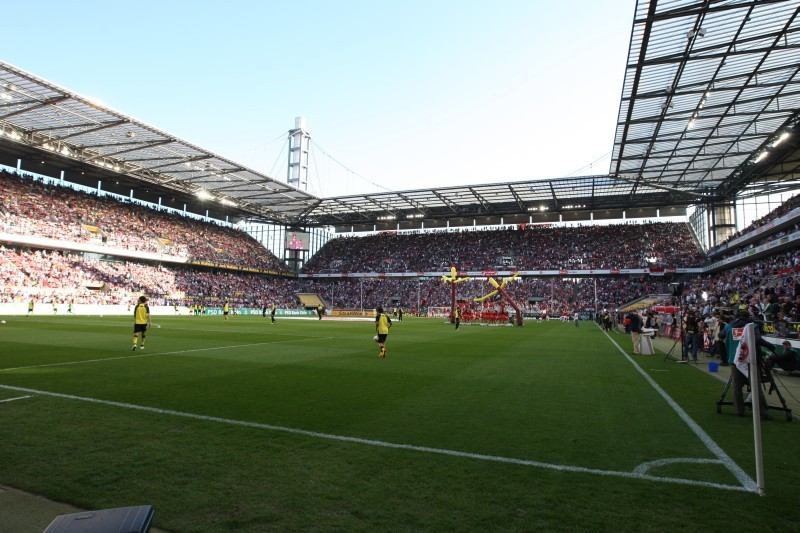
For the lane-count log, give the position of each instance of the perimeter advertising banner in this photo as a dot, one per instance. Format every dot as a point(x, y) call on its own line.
point(249, 311)
point(352, 312)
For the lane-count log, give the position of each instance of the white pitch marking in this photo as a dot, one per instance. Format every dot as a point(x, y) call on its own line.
point(172, 328)
point(645, 467)
point(747, 482)
point(384, 444)
point(12, 399)
point(150, 354)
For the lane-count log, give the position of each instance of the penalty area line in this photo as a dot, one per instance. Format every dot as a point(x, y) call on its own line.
point(151, 354)
point(13, 399)
point(748, 484)
point(639, 475)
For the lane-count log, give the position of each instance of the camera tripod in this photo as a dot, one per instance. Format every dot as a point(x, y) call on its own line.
point(669, 353)
point(765, 377)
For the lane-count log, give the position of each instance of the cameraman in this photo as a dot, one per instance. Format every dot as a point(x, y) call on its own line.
point(739, 380)
point(789, 360)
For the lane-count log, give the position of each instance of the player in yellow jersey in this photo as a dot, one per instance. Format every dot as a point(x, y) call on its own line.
point(225, 310)
point(30, 307)
point(382, 325)
point(141, 319)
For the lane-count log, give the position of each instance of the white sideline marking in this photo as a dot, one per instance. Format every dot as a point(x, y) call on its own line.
point(12, 399)
point(747, 482)
point(384, 444)
point(158, 353)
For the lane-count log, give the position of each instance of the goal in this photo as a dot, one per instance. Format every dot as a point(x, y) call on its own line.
point(438, 312)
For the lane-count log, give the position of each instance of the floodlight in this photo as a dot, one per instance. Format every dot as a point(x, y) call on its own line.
point(761, 156)
point(785, 135)
point(203, 194)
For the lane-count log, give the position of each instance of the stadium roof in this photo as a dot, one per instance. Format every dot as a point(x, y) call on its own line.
point(538, 199)
point(709, 108)
point(48, 118)
point(710, 87)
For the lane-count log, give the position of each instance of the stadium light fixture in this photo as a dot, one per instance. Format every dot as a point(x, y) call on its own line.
point(225, 201)
point(203, 194)
point(785, 135)
point(761, 156)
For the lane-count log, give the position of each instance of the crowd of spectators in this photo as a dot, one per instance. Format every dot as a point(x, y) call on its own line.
point(555, 295)
point(532, 247)
point(72, 277)
point(769, 286)
point(33, 208)
point(755, 284)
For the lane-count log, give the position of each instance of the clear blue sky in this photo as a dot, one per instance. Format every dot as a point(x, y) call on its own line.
point(408, 94)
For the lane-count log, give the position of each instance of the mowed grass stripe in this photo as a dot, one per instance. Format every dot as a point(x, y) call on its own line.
point(150, 354)
point(492, 391)
point(636, 474)
point(747, 482)
point(546, 393)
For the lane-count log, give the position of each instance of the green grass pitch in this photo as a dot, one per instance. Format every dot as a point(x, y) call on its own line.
point(247, 426)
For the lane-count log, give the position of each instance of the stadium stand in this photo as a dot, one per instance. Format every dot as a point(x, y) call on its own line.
point(30, 207)
point(656, 244)
point(33, 208)
point(71, 277)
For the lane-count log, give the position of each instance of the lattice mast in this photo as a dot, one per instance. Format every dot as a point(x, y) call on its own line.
point(299, 145)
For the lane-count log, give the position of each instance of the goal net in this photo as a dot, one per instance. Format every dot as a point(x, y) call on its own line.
point(438, 312)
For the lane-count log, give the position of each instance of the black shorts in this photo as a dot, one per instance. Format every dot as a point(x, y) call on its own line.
point(225, 313)
point(139, 327)
point(382, 337)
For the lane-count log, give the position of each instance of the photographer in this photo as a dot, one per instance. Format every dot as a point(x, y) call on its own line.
point(690, 333)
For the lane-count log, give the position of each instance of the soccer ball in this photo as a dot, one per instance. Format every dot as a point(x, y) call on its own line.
point(2, 321)
point(375, 338)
